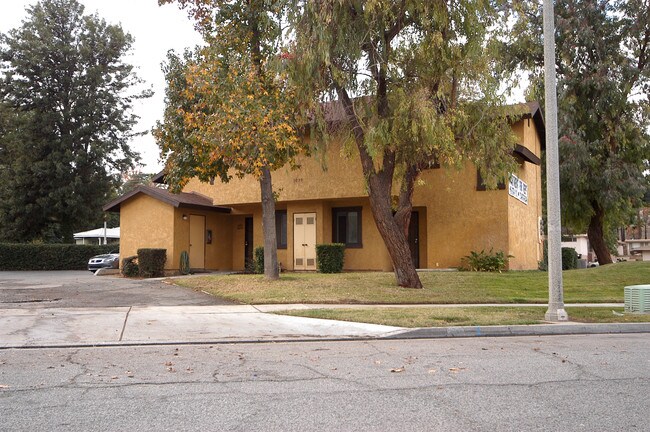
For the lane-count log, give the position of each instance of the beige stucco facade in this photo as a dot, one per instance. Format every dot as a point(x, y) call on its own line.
point(454, 218)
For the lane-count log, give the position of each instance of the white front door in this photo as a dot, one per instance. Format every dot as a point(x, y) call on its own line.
point(304, 241)
point(197, 242)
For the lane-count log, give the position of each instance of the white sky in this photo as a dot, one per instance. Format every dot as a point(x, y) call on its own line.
point(155, 29)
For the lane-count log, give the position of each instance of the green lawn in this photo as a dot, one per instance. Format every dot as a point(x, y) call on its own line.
point(468, 316)
point(595, 285)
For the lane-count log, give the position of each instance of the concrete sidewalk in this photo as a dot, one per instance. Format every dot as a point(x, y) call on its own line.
point(43, 327)
point(167, 324)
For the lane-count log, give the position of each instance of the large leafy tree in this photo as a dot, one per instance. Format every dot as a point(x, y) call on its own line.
point(418, 83)
point(603, 50)
point(65, 120)
point(229, 105)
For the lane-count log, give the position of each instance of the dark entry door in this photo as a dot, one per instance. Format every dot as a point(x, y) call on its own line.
point(414, 238)
point(248, 242)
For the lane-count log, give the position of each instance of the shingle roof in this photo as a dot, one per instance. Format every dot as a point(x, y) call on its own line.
point(182, 199)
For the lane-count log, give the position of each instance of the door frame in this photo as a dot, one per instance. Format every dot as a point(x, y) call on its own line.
point(302, 250)
point(414, 238)
point(248, 241)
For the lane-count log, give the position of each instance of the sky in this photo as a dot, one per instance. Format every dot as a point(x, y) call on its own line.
point(156, 30)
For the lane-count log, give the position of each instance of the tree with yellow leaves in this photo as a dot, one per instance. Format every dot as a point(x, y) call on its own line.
point(230, 108)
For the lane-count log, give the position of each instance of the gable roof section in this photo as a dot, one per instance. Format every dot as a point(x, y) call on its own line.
point(159, 178)
point(534, 111)
point(182, 199)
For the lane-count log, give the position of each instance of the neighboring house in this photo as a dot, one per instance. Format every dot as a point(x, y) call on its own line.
point(580, 243)
point(98, 236)
point(219, 224)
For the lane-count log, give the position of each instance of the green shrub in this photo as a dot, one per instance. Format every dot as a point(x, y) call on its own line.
point(258, 260)
point(330, 257)
point(569, 258)
point(184, 267)
point(152, 262)
point(19, 256)
point(485, 261)
point(130, 266)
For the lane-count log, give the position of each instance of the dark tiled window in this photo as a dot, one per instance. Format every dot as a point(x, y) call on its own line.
point(281, 228)
point(346, 226)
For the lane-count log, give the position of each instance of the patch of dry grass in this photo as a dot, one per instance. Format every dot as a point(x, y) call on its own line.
point(595, 285)
point(468, 316)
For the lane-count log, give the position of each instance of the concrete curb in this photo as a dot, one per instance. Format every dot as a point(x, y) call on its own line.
point(406, 334)
point(520, 330)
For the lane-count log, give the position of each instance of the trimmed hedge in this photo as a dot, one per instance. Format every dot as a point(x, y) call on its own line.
point(19, 256)
point(330, 257)
point(152, 262)
point(569, 258)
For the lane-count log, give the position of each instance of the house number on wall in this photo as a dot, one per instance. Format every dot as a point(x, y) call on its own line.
point(297, 180)
point(518, 189)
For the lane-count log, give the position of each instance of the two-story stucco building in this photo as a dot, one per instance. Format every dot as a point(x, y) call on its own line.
point(219, 224)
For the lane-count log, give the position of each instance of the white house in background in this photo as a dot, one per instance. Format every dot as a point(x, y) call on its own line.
point(638, 247)
point(96, 236)
point(578, 242)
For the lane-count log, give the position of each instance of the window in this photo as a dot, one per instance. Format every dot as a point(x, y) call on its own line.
point(346, 226)
point(281, 228)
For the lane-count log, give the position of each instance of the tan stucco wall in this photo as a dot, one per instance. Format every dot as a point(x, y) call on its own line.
point(455, 218)
point(146, 223)
point(341, 179)
point(525, 242)
point(218, 254)
point(460, 219)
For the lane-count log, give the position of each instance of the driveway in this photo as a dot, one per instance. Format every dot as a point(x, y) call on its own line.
point(82, 289)
point(77, 308)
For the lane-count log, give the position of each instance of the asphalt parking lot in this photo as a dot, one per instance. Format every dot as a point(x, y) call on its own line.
point(82, 289)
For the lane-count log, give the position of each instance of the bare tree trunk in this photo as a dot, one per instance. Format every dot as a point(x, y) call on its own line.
point(597, 237)
point(271, 271)
point(393, 229)
point(393, 234)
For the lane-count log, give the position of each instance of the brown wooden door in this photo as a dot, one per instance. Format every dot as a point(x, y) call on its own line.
point(197, 242)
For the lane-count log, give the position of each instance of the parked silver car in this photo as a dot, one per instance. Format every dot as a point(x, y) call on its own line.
point(110, 260)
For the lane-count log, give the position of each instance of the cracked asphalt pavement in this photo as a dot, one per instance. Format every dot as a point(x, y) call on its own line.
point(590, 383)
point(82, 289)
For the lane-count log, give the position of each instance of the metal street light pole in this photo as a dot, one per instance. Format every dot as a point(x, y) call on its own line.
point(555, 310)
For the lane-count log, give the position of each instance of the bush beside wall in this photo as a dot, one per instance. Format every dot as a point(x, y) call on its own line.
point(258, 260)
point(18, 256)
point(485, 261)
point(152, 262)
point(330, 257)
point(130, 266)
